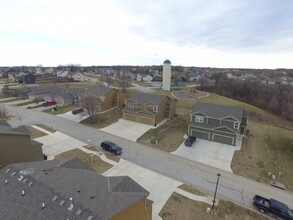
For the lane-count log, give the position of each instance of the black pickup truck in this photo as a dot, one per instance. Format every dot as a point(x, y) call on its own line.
point(273, 207)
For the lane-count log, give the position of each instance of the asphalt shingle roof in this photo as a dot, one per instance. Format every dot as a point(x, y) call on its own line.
point(219, 111)
point(143, 98)
point(55, 182)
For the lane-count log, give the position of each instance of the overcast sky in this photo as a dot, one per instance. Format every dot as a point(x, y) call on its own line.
point(203, 33)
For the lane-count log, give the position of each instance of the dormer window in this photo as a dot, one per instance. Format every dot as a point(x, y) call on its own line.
point(199, 119)
point(130, 105)
point(156, 108)
point(236, 125)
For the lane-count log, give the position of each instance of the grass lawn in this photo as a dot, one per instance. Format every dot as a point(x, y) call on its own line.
point(105, 119)
point(62, 109)
point(180, 207)
point(3, 96)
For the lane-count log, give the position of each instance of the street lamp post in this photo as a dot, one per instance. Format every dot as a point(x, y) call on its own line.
point(218, 177)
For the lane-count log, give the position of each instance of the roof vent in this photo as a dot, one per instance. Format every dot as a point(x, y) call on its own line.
point(22, 192)
point(70, 205)
point(20, 178)
point(13, 173)
point(78, 212)
point(43, 205)
point(54, 198)
point(30, 183)
point(90, 217)
point(7, 171)
point(6, 181)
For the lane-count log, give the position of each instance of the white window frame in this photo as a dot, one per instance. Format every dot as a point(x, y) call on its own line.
point(156, 108)
point(236, 125)
point(199, 119)
point(130, 105)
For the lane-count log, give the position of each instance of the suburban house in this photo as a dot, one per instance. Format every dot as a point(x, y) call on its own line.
point(28, 78)
point(17, 146)
point(219, 123)
point(76, 76)
point(108, 98)
point(69, 189)
point(149, 108)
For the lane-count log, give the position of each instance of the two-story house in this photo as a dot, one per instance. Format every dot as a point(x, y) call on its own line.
point(219, 123)
point(149, 108)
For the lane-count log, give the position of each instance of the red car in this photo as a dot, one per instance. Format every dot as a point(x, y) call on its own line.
point(49, 103)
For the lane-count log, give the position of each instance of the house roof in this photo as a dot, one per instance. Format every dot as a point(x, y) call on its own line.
point(5, 128)
point(219, 111)
point(53, 183)
point(98, 90)
point(144, 98)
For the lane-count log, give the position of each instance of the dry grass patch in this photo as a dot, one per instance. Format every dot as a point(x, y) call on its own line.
point(267, 149)
point(192, 190)
point(35, 133)
point(96, 163)
point(109, 155)
point(180, 207)
point(46, 128)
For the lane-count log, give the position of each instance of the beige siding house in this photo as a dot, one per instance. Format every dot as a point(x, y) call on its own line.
point(149, 108)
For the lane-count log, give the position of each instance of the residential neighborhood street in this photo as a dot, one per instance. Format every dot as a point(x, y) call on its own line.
point(231, 186)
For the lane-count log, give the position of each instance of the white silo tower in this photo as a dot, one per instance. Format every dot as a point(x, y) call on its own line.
point(166, 75)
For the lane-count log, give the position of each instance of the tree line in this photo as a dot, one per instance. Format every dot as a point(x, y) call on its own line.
point(275, 98)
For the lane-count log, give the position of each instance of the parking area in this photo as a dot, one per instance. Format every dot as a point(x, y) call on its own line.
point(210, 153)
point(77, 118)
point(127, 129)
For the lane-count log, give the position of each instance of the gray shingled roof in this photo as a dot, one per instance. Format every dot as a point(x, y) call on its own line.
point(56, 181)
point(218, 111)
point(5, 128)
point(98, 90)
point(143, 98)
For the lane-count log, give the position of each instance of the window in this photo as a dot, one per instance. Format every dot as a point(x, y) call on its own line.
point(156, 108)
point(236, 125)
point(130, 105)
point(199, 119)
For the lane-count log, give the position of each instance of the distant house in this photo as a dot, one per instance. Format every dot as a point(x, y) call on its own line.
point(148, 78)
point(149, 108)
point(76, 76)
point(39, 92)
point(29, 78)
point(69, 189)
point(219, 123)
point(17, 146)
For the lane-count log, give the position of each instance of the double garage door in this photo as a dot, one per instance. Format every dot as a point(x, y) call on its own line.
point(140, 119)
point(213, 137)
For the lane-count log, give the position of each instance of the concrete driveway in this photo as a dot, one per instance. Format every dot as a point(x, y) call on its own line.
point(127, 129)
point(210, 153)
point(77, 118)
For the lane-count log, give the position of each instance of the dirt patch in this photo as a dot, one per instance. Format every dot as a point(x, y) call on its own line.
point(180, 207)
point(95, 163)
point(193, 94)
point(46, 128)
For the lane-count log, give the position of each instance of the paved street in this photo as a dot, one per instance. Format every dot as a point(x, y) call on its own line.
point(233, 187)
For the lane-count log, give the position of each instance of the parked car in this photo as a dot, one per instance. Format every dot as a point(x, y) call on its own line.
point(189, 141)
point(111, 147)
point(49, 103)
point(77, 111)
point(273, 207)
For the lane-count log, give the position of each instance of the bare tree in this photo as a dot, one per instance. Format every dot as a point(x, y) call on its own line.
point(203, 81)
point(106, 79)
point(90, 103)
point(124, 81)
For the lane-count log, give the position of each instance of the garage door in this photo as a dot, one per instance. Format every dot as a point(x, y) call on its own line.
point(130, 117)
point(200, 134)
point(223, 139)
point(145, 120)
